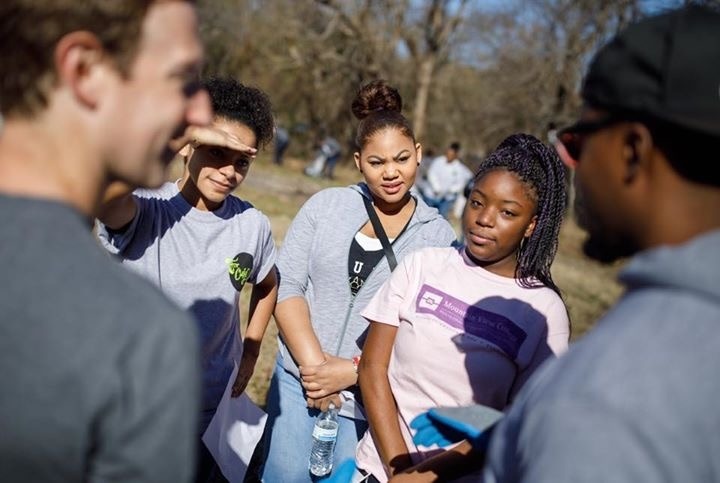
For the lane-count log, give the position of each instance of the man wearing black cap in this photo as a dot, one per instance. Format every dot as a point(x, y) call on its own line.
point(637, 398)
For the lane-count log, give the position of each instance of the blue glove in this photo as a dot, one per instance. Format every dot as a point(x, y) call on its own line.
point(343, 473)
point(444, 426)
point(429, 431)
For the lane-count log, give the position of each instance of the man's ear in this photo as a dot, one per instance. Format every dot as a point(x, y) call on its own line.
point(82, 66)
point(638, 150)
point(186, 151)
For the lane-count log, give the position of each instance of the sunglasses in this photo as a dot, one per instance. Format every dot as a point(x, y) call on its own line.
point(573, 137)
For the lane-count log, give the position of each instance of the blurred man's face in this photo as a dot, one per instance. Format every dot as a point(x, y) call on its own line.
point(599, 175)
point(159, 98)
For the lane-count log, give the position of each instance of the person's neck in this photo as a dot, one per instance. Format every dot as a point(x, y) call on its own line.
point(191, 194)
point(504, 268)
point(677, 216)
point(393, 209)
point(44, 163)
point(394, 217)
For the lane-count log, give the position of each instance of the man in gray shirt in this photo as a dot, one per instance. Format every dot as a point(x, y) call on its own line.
point(100, 373)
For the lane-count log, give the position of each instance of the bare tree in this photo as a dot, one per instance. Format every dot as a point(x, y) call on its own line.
point(530, 58)
point(482, 70)
point(429, 44)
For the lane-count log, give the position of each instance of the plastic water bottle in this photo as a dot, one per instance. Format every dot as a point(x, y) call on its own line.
point(324, 436)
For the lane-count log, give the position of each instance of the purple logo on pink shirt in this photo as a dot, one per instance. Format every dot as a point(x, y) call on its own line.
point(487, 325)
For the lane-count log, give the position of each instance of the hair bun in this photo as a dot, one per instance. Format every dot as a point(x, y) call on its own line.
point(376, 96)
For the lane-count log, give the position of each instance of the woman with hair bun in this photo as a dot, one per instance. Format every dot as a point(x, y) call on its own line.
point(331, 263)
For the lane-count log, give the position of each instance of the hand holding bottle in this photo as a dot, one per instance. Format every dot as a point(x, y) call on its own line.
point(324, 436)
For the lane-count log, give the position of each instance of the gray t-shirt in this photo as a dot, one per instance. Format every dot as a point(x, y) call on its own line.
point(201, 260)
point(99, 370)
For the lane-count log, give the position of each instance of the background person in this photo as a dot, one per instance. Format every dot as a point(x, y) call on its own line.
point(636, 398)
point(201, 244)
point(330, 264)
point(100, 371)
point(328, 154)
point(282, 141)
point(456, 326)
point(445, 180)
point(333, 151)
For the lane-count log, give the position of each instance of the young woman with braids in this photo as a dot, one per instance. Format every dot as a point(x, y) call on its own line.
point(330, 264)
point(459, 326)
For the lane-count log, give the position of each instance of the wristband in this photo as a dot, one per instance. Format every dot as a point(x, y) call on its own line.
point(356, 363)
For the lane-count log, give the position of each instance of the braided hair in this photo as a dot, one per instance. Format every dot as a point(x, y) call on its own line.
point(539, 168)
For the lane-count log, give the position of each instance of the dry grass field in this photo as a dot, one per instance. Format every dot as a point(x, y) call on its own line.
point(588, 288)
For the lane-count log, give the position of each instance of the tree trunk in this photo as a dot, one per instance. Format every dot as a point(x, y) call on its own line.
point(425, 75)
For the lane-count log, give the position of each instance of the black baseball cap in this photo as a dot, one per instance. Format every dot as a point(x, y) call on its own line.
point(665, 67)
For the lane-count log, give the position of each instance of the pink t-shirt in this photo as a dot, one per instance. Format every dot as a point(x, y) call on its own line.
point(465, 336)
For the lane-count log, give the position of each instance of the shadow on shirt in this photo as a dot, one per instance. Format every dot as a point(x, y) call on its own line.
point(157, 215)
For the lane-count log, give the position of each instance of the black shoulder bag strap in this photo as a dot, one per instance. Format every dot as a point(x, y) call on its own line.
point(380, 233)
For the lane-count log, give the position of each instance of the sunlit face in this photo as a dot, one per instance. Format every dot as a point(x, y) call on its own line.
point(599, 204)
point(213, 172)
point(158, 98)
point(499, 213)
point(389, 162)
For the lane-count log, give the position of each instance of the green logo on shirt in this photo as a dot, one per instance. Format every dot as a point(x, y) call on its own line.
point(239, 268)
